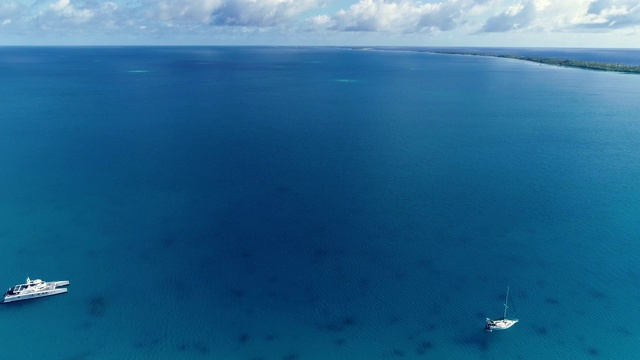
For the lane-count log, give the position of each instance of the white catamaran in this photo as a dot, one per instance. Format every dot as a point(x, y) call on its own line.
point(502, 323)
point(34, 289)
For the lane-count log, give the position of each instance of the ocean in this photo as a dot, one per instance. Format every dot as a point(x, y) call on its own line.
point(282, 203)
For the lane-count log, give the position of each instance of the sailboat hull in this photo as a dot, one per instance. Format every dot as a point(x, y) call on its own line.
point(500, 324)
point(503, 323)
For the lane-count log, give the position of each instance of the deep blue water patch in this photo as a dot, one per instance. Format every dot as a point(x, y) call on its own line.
point(317, 203)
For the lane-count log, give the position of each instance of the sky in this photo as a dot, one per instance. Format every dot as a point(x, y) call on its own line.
point(480, 23)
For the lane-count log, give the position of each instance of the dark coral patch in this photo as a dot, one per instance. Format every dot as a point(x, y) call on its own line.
point(243, 338)
point(200, 348)
point(348, 320)
point(81, 356)
point(168, 241)
point(624, 331)
point(552, 301)
point(195, 347)
point(593, 351)
point(342, 324)
point(97, 306)
point(431, 327)
point(320, 252)
point(397, 353)
point(596, 294)
point(541, 330)
point(479, 339)
point(423, 347)
point(237, 293)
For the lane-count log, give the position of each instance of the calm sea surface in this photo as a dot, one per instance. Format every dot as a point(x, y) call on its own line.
point(316, 203)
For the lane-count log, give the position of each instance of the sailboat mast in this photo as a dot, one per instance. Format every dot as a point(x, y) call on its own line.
point(506, 301)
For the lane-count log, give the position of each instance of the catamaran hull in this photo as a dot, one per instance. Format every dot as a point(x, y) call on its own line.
point(9, 299)
point(51, 288)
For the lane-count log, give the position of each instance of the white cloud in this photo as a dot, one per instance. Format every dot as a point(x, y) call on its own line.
point(514, 17)
point(66, 11)
point(258, 13)
point(403, 16)
point(478, 16)
point(9, 8)
point(414, 16)
point(108, 7)
point(566, 15)
point(189, 10)
point(320, 20)
point(611, 13)
point(254, 20)
point(60, 19)
point(60, 5)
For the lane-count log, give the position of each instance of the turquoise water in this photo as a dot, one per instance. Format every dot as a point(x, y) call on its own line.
point(314, 203)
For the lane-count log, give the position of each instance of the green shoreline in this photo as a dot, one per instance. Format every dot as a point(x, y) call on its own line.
point(588, 65)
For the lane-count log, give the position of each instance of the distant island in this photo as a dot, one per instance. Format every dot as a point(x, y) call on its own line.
point(589, 65)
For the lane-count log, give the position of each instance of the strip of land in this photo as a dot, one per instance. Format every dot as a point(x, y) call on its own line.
point(589, 65)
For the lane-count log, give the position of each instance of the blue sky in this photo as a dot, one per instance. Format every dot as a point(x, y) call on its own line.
point(524, 23)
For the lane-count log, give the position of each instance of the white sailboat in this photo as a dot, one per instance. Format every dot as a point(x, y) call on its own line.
point(502, 323)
